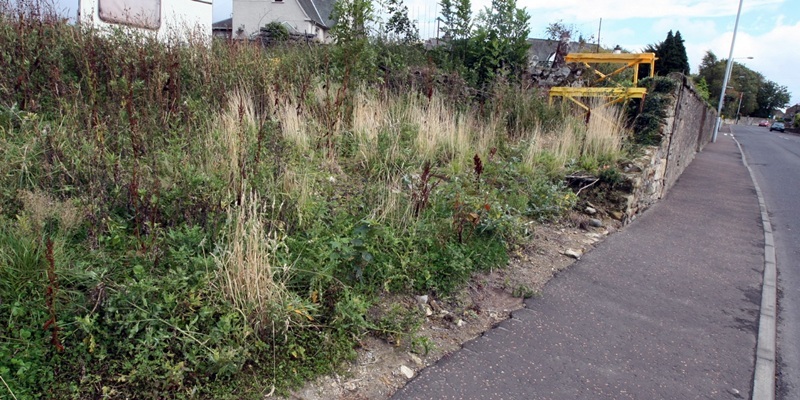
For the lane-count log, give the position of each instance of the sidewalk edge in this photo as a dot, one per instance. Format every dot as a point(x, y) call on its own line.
point(764, 377)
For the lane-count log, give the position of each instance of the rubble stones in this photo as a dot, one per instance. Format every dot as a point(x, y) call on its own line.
point(407, 372)
point(576, 254)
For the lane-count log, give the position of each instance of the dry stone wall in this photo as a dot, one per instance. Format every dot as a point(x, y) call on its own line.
point(688, 127)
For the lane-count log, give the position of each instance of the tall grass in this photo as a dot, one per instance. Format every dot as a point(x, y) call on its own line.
point(233, 135)
point(248, 270)
point(295, 126)
point(606, 132)
point(579, 143)
point(444, 134)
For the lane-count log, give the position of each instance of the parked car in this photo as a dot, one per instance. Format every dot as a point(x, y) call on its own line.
point(777, 126)
point(763, 123)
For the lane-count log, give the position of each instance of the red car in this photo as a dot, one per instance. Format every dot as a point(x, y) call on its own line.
point(763, 123)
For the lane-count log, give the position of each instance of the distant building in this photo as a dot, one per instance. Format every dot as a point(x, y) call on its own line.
point(791, 112)
point(223, 29)
point(311, 18)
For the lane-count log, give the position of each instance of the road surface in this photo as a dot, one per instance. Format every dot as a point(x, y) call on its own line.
point(774, 158)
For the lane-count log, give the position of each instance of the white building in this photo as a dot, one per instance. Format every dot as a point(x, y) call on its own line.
point(166, 18)
point(304, 17)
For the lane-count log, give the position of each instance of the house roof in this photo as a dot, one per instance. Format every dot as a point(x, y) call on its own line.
point(223, 24)
point(319, 11)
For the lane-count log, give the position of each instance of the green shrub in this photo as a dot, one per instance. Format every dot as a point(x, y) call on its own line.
point(647, 123)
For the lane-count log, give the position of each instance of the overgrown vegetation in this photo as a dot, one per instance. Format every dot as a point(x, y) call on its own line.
point(649, 115)
point(192, 221)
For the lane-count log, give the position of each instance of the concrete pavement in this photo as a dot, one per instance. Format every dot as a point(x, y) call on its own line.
point(668, 308)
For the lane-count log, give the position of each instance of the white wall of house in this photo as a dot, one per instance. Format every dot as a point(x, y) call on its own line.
point(251, 15)
point(166, 18)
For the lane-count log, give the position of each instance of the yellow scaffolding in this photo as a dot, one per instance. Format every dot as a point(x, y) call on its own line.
point(614, 94)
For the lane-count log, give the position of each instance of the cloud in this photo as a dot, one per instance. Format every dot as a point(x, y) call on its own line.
point(770, 56)
point(689, 28)
point(580, 10)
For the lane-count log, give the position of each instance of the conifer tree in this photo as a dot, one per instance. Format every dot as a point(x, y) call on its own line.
point(671, 54)
point(681, 59)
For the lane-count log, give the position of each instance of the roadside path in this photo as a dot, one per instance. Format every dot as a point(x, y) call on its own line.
point(668, 308)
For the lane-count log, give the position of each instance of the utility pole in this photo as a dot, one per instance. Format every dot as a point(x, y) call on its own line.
point(599, 28)
point(727, 75)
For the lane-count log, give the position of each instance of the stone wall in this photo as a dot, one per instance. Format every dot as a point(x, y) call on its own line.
point(688, 127)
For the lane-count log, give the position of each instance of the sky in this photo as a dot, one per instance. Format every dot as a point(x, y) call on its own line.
point(768, 29)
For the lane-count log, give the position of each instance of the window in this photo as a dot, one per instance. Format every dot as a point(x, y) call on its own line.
point(139, 13)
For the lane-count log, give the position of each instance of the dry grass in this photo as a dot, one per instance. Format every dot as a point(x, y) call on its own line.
point(40, 208)
point(299, 186)
point(294, 126)
point(567, 143)
point(535, 145)
point(234, 131)
point(562, 144)
point(601, 138)
point(248, 274)
point(392, 205)
point(605, 132)
point(369, 118)
point(487, 136)
point(444, 134)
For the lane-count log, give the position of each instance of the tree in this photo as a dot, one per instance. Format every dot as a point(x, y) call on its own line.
point(399, 27)
point(556, 30)
point(770, 97)
point(275, 32)
point(671, 54)
point(501, 40)
point(457, 19)
point(353, 18)
point(760, 96)
point(702, 88)
point(354, 58)
point(678, 58)
point(712, 71)
point(495, 41)
point(462, 24)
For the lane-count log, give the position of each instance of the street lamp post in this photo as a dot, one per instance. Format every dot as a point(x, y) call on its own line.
point(741, 95)
point(727, 74)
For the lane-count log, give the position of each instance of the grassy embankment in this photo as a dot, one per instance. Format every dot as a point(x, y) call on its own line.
point(193, 221)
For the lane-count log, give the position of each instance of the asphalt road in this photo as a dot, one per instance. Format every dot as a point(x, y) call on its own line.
point(774, 158)
point(666, 309)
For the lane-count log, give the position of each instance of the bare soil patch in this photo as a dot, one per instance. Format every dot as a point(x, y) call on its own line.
point(382, 366)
